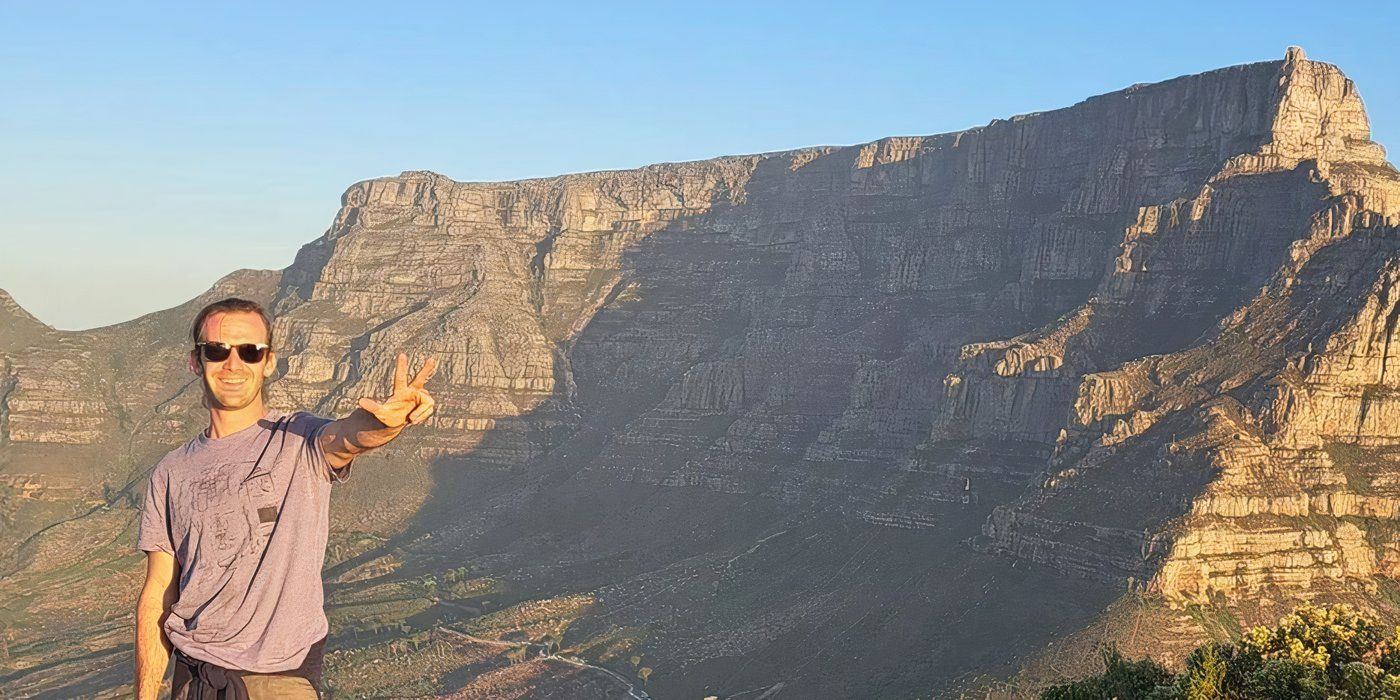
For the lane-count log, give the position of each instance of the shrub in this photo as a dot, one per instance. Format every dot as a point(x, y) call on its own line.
point(1121, 678)
point(1314, 653)
point(1284, 679)
point(1326, 638)
point(1206, 672)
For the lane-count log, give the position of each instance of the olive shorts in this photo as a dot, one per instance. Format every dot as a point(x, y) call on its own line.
point(266, 686)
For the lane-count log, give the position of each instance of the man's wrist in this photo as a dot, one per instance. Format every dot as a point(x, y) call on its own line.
point(377, 425)
point(375, 432)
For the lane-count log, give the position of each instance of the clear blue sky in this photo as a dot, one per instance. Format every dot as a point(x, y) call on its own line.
point(147, 149)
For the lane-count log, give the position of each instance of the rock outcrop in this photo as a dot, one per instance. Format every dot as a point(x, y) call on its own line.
point(1257, 456)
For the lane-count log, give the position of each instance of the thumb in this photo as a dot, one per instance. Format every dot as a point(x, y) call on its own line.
point(370, 405)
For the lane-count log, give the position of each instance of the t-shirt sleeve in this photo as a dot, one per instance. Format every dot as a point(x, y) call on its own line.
point(153, 533)
point(316, 449)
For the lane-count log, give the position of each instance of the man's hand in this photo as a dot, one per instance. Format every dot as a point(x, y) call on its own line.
point(375, 423)
point(409, 404)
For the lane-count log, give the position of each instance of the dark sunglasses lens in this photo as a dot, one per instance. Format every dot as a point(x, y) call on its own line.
point(214, 353)
point(251, 354)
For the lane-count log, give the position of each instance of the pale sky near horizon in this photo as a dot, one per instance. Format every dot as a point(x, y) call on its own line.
point(147, 149)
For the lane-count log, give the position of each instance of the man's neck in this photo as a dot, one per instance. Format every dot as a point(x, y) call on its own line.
point(223, 422)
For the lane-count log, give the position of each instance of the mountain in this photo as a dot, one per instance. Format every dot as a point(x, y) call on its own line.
point(918, 415)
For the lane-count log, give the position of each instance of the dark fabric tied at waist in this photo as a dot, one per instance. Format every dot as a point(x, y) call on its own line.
point(209, 681)
point(202, 680)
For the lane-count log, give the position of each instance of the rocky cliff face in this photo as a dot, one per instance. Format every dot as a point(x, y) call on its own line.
point(1257, 454)
point(1145, 339)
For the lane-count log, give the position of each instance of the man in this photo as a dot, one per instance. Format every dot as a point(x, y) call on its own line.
point(235, 522)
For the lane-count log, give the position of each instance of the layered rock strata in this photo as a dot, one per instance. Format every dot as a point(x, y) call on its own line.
point(1257, 457)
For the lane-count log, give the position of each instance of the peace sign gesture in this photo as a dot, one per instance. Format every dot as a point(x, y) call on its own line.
point(409, 404)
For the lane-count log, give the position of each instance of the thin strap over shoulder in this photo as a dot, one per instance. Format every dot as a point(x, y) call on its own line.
point(270, 435)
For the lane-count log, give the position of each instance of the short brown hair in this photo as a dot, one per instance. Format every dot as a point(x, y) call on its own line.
point(231, 305)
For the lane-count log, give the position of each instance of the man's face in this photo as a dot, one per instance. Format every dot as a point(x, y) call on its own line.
point(233, 383)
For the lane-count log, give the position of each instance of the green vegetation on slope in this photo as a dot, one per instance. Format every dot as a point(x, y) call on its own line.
point(1317, 652)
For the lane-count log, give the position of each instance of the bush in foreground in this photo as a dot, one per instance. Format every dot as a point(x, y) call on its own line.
point(1315, 653)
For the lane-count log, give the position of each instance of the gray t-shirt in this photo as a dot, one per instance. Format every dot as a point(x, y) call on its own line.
point(246, 518)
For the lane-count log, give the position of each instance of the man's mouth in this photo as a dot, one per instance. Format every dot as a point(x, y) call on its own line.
point(233, 382)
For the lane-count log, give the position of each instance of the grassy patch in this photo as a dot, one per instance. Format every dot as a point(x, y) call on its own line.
point(531, 620)
point(410, 666)
point(1216, 621)
point(377, 616)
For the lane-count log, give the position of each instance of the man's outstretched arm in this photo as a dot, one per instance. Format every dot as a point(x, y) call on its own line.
point(375, 423)
point(152, 646)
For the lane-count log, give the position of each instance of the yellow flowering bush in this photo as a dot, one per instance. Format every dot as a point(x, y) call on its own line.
point(1315, 653)
point(1319, 636)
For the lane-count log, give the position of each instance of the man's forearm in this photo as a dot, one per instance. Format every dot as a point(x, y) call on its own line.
point(355, 434)
point(152, 646)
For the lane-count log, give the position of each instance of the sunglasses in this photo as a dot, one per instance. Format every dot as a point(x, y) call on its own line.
point(250, 353)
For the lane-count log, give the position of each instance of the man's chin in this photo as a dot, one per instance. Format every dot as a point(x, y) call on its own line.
point(229, 403)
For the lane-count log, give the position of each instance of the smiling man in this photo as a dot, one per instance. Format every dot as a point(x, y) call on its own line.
point(235, 522)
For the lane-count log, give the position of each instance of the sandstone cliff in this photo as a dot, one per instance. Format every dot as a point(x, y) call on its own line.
point(1257, 455)
point(740, 417)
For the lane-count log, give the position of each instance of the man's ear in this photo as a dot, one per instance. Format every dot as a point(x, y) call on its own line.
point(270, 366)
point(193, 362)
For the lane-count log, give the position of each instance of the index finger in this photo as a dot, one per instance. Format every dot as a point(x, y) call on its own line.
point(400, 373)
point(425, 373)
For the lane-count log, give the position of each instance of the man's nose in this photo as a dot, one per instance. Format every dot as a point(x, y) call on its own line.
point(233, 361)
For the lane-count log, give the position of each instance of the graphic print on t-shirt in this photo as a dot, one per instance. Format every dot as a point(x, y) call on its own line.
point(210, 489)
point(220, 514)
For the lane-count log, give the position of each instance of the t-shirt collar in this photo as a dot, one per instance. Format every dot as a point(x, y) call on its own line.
point(239, 437)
